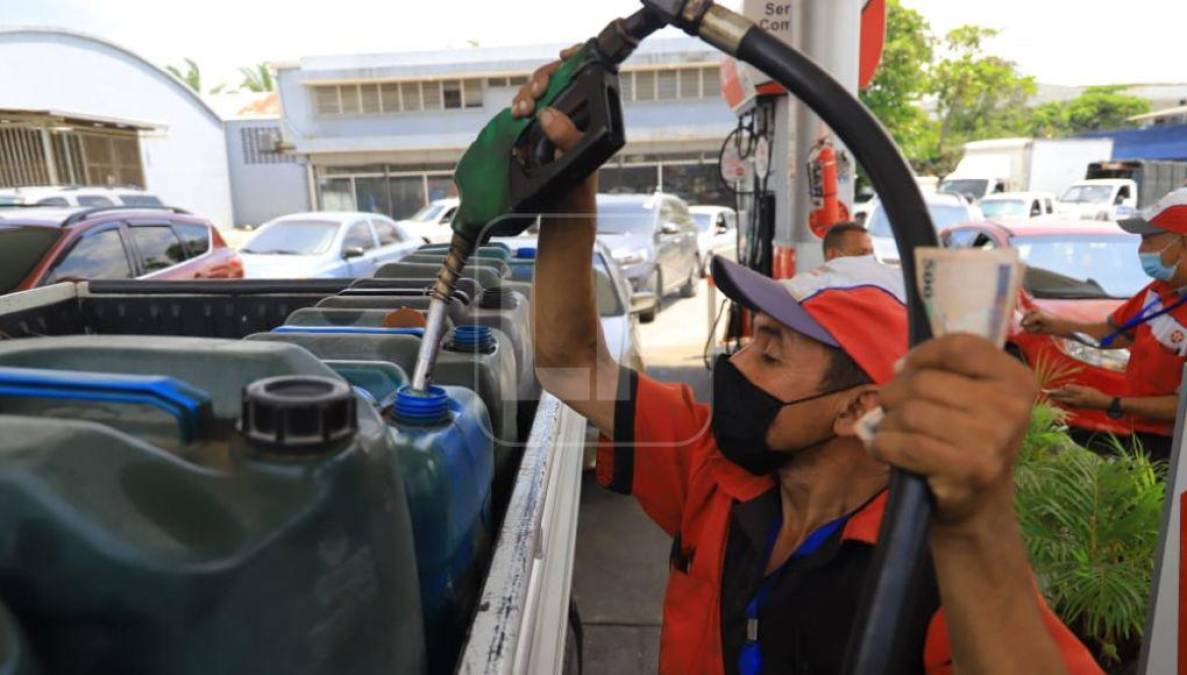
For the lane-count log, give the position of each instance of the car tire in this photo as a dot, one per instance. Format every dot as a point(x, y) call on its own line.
point(689, 289)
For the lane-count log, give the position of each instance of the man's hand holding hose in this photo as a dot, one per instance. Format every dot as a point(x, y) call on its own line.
point(956, 413)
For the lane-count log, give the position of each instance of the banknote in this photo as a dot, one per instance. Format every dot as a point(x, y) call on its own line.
point(963, 291)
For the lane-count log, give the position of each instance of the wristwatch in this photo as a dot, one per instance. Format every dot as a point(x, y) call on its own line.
point(1114, 410)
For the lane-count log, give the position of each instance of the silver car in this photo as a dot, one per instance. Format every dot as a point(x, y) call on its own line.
point(654, 238)
point(946, 210)
point(324, 244)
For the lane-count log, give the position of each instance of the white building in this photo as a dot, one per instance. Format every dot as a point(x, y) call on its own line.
point(382, 132)
point(76, 109)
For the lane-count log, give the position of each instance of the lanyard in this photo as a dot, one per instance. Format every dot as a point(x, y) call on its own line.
point(1142, 317)
point(750, 658)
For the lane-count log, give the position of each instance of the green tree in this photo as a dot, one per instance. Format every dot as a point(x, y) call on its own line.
point(977, 95)
point(901, 81)
point(257, 78)
point(1096, 108)
point(191, 75)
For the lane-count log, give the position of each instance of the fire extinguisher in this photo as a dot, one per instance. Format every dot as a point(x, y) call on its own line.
point(827, 210)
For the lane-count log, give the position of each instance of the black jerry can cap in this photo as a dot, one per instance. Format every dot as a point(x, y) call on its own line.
point(298, 415)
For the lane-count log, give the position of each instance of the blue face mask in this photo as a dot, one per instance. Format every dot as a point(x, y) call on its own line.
point(1154, 267)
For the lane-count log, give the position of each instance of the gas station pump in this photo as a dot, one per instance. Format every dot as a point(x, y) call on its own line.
point(792, 192)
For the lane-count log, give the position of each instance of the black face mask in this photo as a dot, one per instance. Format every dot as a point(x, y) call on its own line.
point(742, 416)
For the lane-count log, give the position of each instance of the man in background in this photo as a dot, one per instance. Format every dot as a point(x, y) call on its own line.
point(847, 240)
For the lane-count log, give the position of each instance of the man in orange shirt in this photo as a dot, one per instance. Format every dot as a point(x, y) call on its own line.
point(1153, 325)
point(772, 501)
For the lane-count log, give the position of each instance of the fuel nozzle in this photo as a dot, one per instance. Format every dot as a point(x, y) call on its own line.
point(460, 249)
point(501, 190)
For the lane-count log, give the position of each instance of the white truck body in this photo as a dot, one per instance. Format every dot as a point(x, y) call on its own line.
point(1099, 198)
point(1024, 165)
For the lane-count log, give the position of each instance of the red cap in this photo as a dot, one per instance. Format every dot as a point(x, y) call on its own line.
point(854, 303)
point(1168, 214)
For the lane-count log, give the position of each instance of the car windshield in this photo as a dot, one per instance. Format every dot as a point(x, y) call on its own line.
point(293, 237)
point(973, 188)
point(942, 216)
point(1081, 265)
point(703, 221)
point(9, 200)
point(623, 217)
point(1087, 194)
point(1005, 207)
point(21, 248)
point(427, 213)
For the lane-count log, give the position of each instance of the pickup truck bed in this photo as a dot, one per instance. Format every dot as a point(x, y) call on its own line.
point(521, 621)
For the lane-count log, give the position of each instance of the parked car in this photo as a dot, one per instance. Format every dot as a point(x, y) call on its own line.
point(1079, 269)
point(717, 233)
point(618, 310)
point(946, 210)
point(1017, 205)
point(324, 244)
point(44, 245)
point(431, 223)
point(75, 195)
point(654, 239)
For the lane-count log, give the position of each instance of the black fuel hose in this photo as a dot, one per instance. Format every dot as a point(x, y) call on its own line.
point(874, 643)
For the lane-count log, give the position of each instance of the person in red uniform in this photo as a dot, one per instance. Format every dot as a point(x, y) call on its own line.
point(1152, 325)
point(772, 501)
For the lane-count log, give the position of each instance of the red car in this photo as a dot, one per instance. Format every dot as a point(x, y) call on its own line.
point(41, 246)
point(1078, 269)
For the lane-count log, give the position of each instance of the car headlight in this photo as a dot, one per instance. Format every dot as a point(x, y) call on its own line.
point(630, 256)
point(1109, 359)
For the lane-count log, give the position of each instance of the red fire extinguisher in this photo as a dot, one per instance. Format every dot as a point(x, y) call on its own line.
point(827, 210)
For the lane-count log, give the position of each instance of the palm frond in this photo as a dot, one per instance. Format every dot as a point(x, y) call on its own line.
point(1090, 524)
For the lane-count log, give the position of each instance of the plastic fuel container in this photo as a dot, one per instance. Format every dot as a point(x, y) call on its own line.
point(270, 535)
point(444, 449)
point(480, 362)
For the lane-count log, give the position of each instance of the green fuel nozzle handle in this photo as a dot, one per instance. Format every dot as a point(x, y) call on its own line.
point(511, 171)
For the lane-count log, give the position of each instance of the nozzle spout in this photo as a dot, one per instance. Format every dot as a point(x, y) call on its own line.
point(460, 249)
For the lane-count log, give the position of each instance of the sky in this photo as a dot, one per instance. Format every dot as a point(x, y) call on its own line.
point(1059, 42)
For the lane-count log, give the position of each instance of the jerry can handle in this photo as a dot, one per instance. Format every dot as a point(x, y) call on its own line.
point(190, 406)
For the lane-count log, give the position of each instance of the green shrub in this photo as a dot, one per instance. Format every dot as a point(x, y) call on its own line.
point(1091, 527)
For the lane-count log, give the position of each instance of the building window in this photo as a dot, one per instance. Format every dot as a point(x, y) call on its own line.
point(369, 98)
point(325, 101)
point(452, 92)
point(350, 99)
point(432, 94)
point(391, 97)
point(411, 93)
point(472, 97)
point(667, 84)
